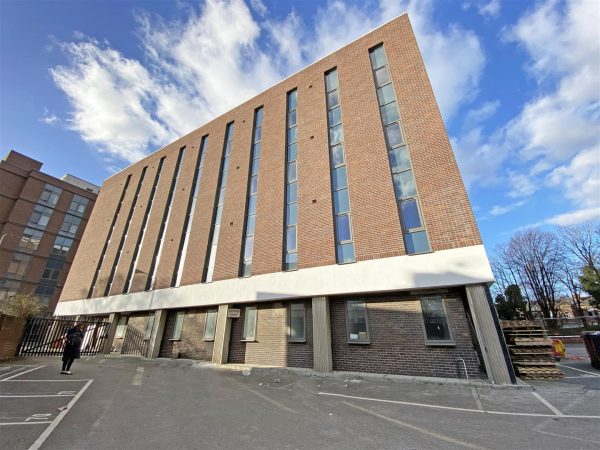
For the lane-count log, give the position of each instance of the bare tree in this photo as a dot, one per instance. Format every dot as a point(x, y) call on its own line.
point(582, 242)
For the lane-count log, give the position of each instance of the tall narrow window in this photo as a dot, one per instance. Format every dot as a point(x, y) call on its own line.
point(339, 178)
point(248, 248)
point(413, 228)
point(189, 217)
point(108, 237)
point(290, 260)
point(149, 326)
point(113, 271)
point(210, 325)
point(297, 322)
point(121, 327)
point(218, 210)
point(151, 281)
point(142, 234)
point(249, 333)
point(179, 316)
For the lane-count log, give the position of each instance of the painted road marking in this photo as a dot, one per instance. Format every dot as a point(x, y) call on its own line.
point(18, 369)
point(40, 440)
point(23, 423)
point(38, 417)
point(66, 380)
point(137, 378)
point(37, 396)
point(579, 370)
point(415, 428)
point(21, 373)
point(476, 397)
point(425, 405)
point(547, 404)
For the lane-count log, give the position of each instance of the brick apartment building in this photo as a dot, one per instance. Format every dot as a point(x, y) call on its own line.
point(322, 224)
point(42, 219)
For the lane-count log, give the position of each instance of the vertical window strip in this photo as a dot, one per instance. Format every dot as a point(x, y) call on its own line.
point(405, 188)
point(189, 217)
point(290, 261)
point(151, 281)
point(108, 237)
point(248, 246)
point(218, 210)
point(140, 241)
point(113, 271)
point(339, 178)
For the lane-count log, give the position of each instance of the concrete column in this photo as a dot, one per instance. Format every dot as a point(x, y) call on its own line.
point(491, 341)
point(323, 361)
point(222, 335)
point(158, 330)
point(113, 319)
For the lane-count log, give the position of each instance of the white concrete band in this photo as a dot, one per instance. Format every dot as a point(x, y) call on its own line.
point(456, 267)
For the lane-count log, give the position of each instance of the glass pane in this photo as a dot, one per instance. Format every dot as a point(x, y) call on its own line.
point(410, 214)
point(259, 116)
point(249, 323)
point(292, 135)
point(252, 205)
point(247, 268)
point(331, 80)
point(256, 151)
point(292, 193)
point(255, 166)
point(341, 201)
point(292, 100)
point(378, 58)
point(399, 159)
point(291, 171)
point(221, 196)
point(434, 317)
point(291, 261)
point(386, 94)
point(346, 253)
point(393, 135)
point(335, 116)
point(417, 242)
point(337, 155)
point(382, 76)
point(357, 321)
point(292, 152)
point(248, 248)
point(178, 325)
point(253, 185)
point(340, 178)
point(292, 118)
point(404, 184)
point(211, 325)
point(225, 164)
point(333, 99)
point(389, 113)
point(227, 148)
point(336, 134)
point(291, 217)
point(250, 224)
point(291, 238)
point(257, 134)
point(218, 216)
point(297, 321)
point(343, 228)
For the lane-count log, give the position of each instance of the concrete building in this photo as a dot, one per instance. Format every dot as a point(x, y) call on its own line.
point(321, 224)
point(42, 219)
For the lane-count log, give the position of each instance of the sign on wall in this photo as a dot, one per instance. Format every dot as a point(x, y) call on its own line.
point(233, 313)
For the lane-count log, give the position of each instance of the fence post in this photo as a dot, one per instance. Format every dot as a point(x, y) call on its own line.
point(113, 319)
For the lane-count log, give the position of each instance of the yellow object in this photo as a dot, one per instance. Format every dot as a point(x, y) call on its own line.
point(558, 347)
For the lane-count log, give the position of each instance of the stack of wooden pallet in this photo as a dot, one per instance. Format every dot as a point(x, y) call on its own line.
point(530, 350)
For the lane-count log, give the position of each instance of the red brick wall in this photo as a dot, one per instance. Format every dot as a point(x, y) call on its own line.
point(272, 346)
point(397, 341)
point(192, 344)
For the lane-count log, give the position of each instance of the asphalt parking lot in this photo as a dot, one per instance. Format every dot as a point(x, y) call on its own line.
point(137, 404)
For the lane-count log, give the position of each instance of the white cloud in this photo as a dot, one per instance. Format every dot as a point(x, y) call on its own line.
point(49, 118)
point(575, 217)
point(499, 210)
point(491, 8)
point(479, 115)
point(211, 61)
point(521, 185)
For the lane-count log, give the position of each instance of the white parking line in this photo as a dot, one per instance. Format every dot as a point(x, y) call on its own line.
point(547, 404)
point(21, 373)
point(579, 370)
point(425, 405)
point(37, 396)
point(40, 440)
point(65, 380)
point(23, 423)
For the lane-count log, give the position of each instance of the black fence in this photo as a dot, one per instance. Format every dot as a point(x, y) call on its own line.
point(46, 337)
point(134, 343)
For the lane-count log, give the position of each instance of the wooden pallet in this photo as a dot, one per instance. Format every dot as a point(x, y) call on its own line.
point(540, 372)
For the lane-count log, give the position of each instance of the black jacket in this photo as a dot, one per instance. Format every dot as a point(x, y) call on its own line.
point(72, 351)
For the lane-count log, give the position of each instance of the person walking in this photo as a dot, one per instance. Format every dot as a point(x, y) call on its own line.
point(72, 348)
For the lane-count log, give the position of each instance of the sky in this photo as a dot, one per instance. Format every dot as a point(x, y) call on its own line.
point(88, 87)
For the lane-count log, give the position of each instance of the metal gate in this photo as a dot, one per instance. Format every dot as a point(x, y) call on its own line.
point(134, 343)
point(46, 337)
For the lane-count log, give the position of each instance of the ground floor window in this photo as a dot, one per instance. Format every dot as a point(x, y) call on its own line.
point(436, 325)
point(121, 326)
point(178, 325)
point(297, 325)
point(357, 325)
point(210, 325)
point(249, 324)
point(149, 326)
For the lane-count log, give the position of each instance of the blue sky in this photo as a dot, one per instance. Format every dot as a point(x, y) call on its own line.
point(89, 86)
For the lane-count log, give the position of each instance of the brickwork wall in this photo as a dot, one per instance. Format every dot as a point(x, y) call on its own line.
point(271, 346)
point(397, 341)
point(375, 222)
point(192, 344)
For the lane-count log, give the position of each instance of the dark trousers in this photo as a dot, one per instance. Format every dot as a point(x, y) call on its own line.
point(67, 363)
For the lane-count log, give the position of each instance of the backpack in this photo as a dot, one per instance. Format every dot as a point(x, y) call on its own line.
point(74, 339)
